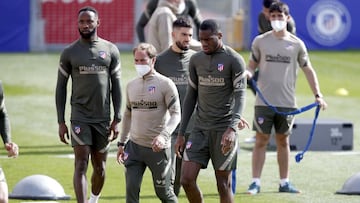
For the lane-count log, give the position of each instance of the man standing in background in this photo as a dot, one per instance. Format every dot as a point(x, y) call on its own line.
point(188, 8)
point(264, 24)
point(160, 25)
point(174, 63)
point(278, 55)
point(94, 66)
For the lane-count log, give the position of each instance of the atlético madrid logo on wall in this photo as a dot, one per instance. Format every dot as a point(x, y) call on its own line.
point(328, 22)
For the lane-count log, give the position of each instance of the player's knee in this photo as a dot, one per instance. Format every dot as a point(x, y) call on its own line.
point(282, 141)
point(186, 182)
point(165, 194)
point(81, 166)
point(99, 170)
point(223, 187)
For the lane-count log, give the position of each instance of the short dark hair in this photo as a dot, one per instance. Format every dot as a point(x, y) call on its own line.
point(210, 24)
point(267, 3)
point(182, 21)
point(279, 7)
point(88, 8)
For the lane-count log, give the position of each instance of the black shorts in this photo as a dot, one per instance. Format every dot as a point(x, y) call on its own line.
point(265, 119)
point(203, 145)
point(92, 134)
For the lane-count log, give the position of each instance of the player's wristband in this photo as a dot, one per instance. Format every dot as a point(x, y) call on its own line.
point(318, 96)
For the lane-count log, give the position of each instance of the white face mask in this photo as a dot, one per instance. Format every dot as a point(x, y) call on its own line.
point(278, 25)
point(142, 69)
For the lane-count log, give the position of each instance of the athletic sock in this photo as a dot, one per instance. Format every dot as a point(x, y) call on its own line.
point(256, 181)
point(283, 181)
point(94, 198)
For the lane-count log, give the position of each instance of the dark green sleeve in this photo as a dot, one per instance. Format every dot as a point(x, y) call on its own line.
point(239, 106)
point(4, 119)
point(190, 99)
point(187, 108)
point(61, 87)
point(144, 19)
point(116, 83)
point(239, 81)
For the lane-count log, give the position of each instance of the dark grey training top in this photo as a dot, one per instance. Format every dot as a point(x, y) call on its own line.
point(4, 118)
point(176, 67)
point(95, 71)
point(217, 85)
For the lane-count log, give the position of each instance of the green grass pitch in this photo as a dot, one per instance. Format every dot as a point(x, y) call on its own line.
point(29, 81)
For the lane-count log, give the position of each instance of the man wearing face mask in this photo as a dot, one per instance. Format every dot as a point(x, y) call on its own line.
point(160, 25)
point(278, 55)
point(151, 115)
point(264, 24)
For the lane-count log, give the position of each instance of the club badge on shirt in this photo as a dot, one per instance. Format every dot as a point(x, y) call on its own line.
point(102, 54)
point(188, 145)
point(151, 89)
point(220, 67)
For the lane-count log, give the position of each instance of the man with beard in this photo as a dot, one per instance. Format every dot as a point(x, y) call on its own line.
point(174, 63)
point(94, 66)
point(216, 87)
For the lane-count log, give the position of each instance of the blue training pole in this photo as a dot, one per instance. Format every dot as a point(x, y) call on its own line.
point(233, 181)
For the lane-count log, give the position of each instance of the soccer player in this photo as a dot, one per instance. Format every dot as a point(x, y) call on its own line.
point(187, 8)
point(151, 115)
point(93, 64)
point(277, 55)
point(11, 147)
point(217, 87)
point(174, 63)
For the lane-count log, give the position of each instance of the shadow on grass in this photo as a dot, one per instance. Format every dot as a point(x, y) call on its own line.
point(250, 147)
point(49, 149)
point(143, 197)
point(45, 149)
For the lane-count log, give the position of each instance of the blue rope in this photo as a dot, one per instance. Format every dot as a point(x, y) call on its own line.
point(300, 155)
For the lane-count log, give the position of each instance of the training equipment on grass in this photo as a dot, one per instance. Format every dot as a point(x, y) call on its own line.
point(351, 186)
point(300, 155)
point(38, 187)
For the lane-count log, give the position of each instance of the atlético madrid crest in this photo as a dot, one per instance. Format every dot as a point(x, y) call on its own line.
point(328, 22)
